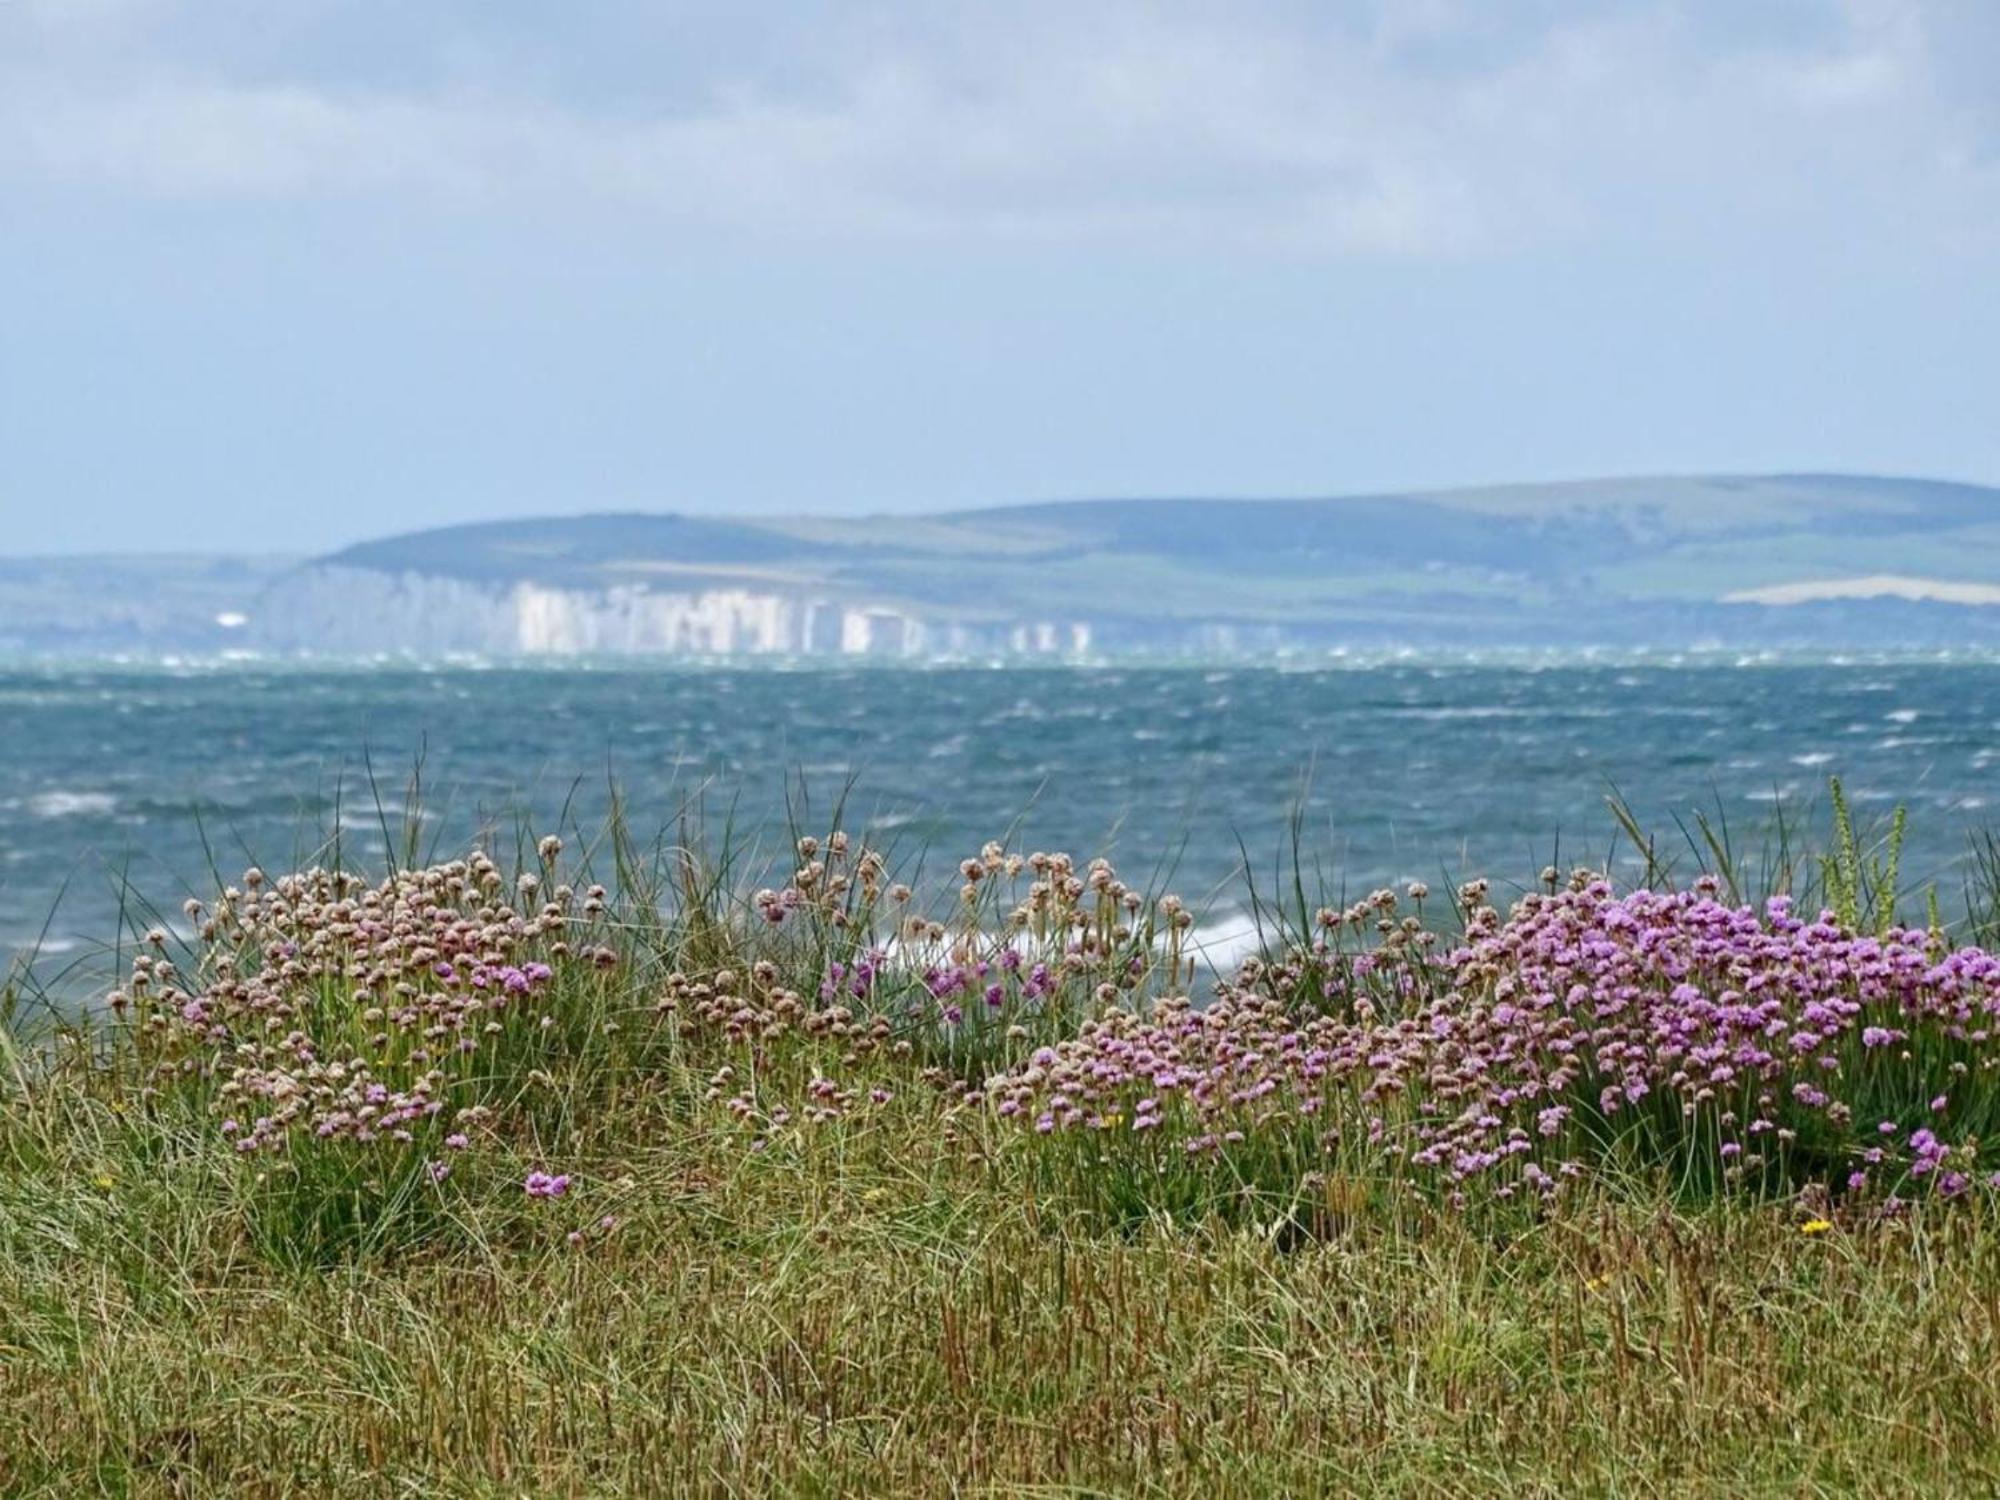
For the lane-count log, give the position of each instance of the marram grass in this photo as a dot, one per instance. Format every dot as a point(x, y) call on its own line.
point(486, 1182)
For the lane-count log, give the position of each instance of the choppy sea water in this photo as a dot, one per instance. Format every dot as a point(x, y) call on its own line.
point(111, 777)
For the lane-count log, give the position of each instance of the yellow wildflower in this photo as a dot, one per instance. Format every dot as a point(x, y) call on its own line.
point(1815, 1226)
point(105, 1180)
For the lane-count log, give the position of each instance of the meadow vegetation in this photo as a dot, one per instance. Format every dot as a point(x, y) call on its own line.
point(602, 1169)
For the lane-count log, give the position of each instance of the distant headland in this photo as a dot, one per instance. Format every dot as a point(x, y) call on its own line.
point(1791, 560)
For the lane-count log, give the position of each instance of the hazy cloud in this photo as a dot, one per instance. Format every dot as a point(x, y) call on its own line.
point(1427, 128)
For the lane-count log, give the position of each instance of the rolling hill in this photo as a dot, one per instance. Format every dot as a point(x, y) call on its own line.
point(1800, 560)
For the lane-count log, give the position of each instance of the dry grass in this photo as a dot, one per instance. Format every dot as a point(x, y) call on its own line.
point(890, 1314)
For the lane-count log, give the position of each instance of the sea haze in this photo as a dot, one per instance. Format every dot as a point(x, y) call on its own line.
point(1410, 768)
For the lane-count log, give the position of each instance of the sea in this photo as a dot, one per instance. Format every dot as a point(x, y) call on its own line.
point(126, 787)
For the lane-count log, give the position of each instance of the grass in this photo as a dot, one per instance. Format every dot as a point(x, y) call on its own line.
point(909, 1297)
point(887, 1318)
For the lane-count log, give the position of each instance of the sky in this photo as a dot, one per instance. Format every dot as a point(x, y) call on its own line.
point(276, 277)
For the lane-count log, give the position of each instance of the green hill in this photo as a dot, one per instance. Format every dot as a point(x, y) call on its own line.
point(1608, 557)
point(1811, 560)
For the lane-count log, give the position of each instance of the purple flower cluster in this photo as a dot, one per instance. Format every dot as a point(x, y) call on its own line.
point(1669, 1029)
point(1700, 1032)
point(1240, 1065)
point(545, 1185)
point(327, 1008)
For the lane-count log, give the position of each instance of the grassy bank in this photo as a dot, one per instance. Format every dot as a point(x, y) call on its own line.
point(485, 1180)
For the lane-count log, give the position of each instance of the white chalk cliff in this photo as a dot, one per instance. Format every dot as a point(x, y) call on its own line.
point(334, 610)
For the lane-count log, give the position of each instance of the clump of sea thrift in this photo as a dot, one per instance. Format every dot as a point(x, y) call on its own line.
point(1733, 1047)
point(1662, 1029)
point(327, 1009)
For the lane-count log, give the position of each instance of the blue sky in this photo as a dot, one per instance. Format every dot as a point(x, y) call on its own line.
point(280, 276)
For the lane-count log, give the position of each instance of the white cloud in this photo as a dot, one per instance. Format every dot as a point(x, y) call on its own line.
point(1393, 129)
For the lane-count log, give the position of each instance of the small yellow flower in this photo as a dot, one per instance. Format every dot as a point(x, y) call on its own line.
point(1815, 1226)
point(1597, 1283)
point(1111, 1121)
point(105, 1181)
